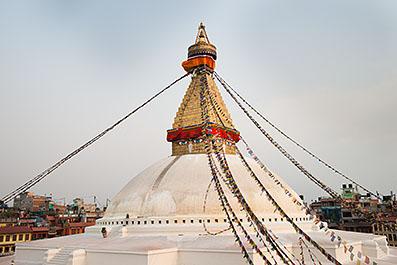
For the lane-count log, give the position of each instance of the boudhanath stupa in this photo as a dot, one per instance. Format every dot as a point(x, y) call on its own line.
point(169, 214)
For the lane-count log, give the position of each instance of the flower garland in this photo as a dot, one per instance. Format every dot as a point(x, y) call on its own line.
point(234, 188)
point(302, 255)
point(230, 183)
point(318, 182)
point(274, 178)
point(283, 213)
point(332, 235)
point(219, 112)
point(311, 254)
point(286, 249)
point(348, 249)
point(204, 208)
point(226, 207)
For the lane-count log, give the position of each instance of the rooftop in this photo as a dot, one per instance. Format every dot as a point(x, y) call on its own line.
point(15, 229)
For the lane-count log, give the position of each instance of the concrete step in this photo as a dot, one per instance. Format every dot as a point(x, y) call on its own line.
point(62, 257)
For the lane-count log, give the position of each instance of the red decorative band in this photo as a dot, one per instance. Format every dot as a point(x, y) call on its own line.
point(197, 61)
point(193, 132)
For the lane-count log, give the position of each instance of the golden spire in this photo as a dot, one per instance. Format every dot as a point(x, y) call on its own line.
point(202, 34)
point(186, 132)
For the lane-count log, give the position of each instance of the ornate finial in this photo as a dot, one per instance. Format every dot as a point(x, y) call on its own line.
point(202, 35)
point(202, 52)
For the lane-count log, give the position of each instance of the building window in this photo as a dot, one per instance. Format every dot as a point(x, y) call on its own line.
point(184, 221)
point(20, 237)
point(167, 222)
point(1, 239)
point(175, 221)
point(14, 237)
point(191, 221)
point(144, 222)
point(8, 238)
point(160, 222)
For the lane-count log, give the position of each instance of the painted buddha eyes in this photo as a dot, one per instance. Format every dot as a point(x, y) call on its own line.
point(200, 140)
point(196, 141)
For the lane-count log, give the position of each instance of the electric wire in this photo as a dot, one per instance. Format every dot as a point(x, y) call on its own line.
point(27, 185)
point(296, 142)
point(318, 182)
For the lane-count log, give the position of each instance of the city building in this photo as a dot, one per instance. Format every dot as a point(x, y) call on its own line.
point(10, 235)
point(76, 228)
point(30, 202)
point(39, 232)
point(11, 221)
point(358, 213)
point(328, 210)
point(15, 231)
point(386, 226)
point(36, 217)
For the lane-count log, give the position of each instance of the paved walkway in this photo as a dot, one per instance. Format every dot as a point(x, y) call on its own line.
point(6, 260)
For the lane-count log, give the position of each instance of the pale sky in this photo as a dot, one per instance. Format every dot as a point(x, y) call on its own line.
point(324, 71)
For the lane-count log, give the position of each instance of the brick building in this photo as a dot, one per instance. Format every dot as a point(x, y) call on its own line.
point(10, 235)
point(387, 226)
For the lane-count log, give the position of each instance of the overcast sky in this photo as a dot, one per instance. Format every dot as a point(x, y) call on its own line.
point(324, 71)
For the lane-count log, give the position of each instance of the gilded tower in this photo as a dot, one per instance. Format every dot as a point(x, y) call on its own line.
point(186, 133)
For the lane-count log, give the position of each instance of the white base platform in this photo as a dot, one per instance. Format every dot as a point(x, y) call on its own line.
point(122, 248)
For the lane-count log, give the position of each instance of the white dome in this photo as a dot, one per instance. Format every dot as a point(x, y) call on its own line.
point(176, 186)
